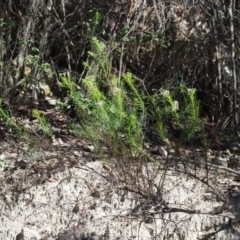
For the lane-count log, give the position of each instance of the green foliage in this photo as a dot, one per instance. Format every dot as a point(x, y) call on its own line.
point(191, 110)
point(33, 60)
point(5, 24)
point(7, 118)
point(113, 110)
point(33, 64)
point(2, 22)
point(161, 130)
point(81, 104)
point(113, 117)
point(114, 107)
point(94, 21)
point(100, 66)
point(181, 113)
point(46, 128)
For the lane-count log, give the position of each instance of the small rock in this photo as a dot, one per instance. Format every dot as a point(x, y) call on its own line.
point(77, 154)
point(163, 151)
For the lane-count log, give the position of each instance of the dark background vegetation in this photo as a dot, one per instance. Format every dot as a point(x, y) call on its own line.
point(163, 43)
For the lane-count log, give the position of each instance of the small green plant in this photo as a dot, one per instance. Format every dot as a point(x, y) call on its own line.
point(94, 21)
point(45, 127)
point(99, 64)
point(81, 104)
point(7, 118)
point(191, 110)
point(180, 113)
point(161, 130)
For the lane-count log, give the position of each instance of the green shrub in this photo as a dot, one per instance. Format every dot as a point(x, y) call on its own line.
point(179, 111)
point(113, 110)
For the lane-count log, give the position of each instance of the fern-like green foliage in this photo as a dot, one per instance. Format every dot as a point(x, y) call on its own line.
point(182, 113)
point(116, 112)
point(81, 104)
point(95, 21)
point(7, 118)
point(191, 110)
point(47, 131)
point(116, 108)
